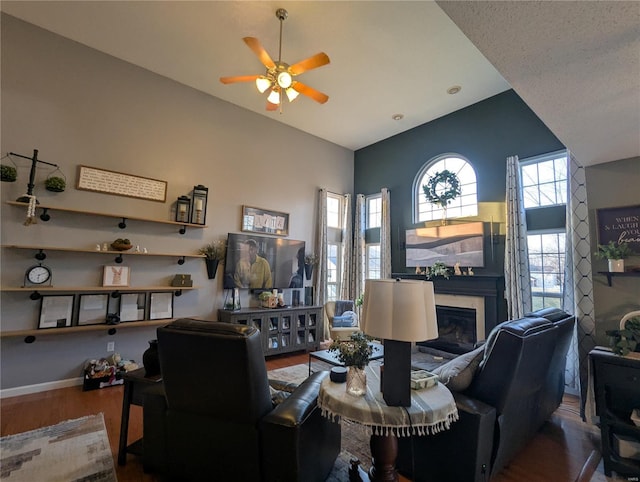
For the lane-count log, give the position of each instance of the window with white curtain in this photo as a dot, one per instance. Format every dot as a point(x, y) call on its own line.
point(464, 205)
point(372, 236)
point(335, 214)
point(544, 192)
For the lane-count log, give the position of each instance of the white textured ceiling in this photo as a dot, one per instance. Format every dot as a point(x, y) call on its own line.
point(575, 65)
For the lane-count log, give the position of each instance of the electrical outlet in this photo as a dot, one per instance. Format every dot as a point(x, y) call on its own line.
point(111, 346)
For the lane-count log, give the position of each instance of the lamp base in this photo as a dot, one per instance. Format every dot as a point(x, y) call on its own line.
point(396, 384)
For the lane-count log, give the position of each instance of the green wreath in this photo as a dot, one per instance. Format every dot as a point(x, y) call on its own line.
point(442, 188)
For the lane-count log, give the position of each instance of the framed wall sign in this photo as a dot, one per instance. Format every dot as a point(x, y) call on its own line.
point(161, 306)
point(132, 306)
point(256, 220)
point(116, 275)
point(55, 311)
point(93, 309)
point(120, 184)
point(620, 225)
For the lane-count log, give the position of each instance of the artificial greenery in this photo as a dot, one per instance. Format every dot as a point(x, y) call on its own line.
point(438, 269)
point(310, 259)
point(8, 173)
point(265, 295)
point(355, 351)
point(215, 250)
point(55, 184)
point(613, 250)
point(442, 188)
point(360, 300)
point(624, 341)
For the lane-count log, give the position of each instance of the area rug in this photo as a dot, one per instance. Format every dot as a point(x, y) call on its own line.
point(355, 440)
point(72, 451)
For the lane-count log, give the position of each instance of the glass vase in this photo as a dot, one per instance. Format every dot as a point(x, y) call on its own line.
point(356, 381)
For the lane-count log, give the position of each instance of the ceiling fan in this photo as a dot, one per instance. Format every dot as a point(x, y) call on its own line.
point(279, 76)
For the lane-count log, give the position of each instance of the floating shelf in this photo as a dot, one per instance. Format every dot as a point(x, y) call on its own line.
point(611, 274)
point(124, 218)
point(84, 289)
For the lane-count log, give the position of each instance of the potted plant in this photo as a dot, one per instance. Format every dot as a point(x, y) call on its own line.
point(354, 353)
point(55, 184)
point(213, 253)
point(8, 173)
point(442, 188)
point(438, 269)
point(310, 260)
point(627, 338)
point(615, 253)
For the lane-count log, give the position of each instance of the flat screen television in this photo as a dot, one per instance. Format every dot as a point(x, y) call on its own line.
point(261, 262)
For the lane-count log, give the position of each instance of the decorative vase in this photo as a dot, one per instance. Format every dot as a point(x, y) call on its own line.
point(356, 381)
point(616, 265)
point(308, 271)
point(150, 359)
point(212, 267)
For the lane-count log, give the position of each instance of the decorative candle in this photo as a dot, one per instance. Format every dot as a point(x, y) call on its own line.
point(183, 208)
point(198, 204)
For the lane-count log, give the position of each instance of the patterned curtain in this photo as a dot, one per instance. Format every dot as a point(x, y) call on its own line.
point(347, 248)
point(321, 248)
point(358, 269)
point(385, 235)
point(516, 256)
point(578, 284)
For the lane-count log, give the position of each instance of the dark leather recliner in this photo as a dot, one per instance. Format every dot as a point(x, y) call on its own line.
point(213, 419)
point(518, 385)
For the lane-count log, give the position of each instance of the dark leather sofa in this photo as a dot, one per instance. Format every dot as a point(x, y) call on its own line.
point(517, 386)
point(213, 419)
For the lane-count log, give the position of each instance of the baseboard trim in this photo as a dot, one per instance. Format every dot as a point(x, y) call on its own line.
point(40, 387)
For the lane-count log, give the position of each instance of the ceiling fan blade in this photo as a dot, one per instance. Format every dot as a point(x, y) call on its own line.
point(310, 92)
point(318, 60)
point(255, 45)
point(238, 78)
point(271, 106)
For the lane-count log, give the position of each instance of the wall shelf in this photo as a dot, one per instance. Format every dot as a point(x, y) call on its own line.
point(611, 274)
point(45, 216)
point(30, 335)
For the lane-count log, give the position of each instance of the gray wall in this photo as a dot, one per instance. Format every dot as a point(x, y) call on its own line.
point(612, 184)
point(81, 107)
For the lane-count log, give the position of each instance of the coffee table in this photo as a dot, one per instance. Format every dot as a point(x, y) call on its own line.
point(331, 358)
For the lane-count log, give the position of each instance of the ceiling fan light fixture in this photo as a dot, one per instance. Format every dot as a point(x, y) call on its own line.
point(292, 94)
point(284, 80)
point(262, 83)
point(274, 96)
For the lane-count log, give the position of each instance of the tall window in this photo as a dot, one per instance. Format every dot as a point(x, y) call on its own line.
point(544, 190)
point(335, 212)
point(372, 236)
point(464, 205)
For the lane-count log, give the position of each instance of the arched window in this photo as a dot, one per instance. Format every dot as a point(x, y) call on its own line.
point(464, 205)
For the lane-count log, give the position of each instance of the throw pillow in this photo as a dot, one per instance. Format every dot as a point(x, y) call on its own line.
point(278, 396)
point(457, 374)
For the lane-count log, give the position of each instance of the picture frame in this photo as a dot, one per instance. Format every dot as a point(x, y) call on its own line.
point(257, 220)
point(116, 275)
point(93, 309)
point(161, 305)
point(132, 306)
point(450, 244)
point(56, 311)
point(620, 225)
point(120, 184)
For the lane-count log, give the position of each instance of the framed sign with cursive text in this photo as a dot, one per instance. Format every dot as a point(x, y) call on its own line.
point(120, 184)
point(620, 225)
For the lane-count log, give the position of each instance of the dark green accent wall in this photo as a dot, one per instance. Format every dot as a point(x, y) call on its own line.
point(485, 133)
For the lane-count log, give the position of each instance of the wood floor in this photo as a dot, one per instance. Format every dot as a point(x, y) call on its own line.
point(563, 451)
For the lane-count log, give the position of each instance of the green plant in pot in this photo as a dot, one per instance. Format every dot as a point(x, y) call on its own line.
point(354, 353)
point(626, 339)
point(615, 253)
point(214, 253)
point(55, 184)
point(8, 173)
point(438, 269)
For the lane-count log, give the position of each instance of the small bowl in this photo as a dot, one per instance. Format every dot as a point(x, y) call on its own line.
point(121, 247)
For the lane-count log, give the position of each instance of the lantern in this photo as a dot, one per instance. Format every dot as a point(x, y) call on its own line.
point(198, 213)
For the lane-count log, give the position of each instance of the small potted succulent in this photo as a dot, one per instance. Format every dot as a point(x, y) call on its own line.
point(214, 253)
point(615, 253)
point(8, 173)
point(55, 184)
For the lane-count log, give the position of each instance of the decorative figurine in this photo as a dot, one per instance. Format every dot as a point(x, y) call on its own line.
point(456, 269)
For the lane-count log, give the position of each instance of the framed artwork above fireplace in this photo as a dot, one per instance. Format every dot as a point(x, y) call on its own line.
point(451, 244)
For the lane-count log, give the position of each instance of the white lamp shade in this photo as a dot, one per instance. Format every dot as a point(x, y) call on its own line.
point(262, 83)
point(274, 97)
point(399, 310)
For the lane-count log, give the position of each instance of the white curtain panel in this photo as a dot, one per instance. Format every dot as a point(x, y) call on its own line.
point(578, 282)
point(358, 268)
point(385, 235)
point(516, 257)
point(347, 250)
point(321, 249)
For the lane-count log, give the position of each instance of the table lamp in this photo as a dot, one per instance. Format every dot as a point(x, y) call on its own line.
point(399, 312)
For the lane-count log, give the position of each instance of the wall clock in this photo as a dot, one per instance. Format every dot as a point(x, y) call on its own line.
point(37, 275)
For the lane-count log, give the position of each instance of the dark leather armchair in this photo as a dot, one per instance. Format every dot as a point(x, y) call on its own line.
point(214, 420)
